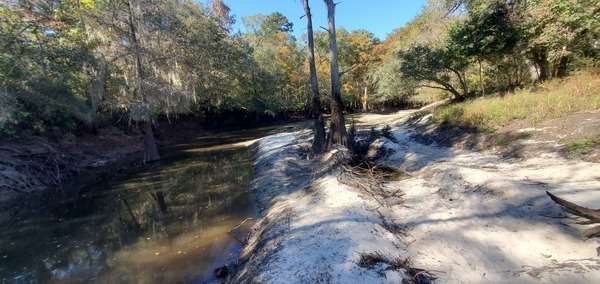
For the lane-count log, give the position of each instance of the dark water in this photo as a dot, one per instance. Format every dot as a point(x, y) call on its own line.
point(164, 223)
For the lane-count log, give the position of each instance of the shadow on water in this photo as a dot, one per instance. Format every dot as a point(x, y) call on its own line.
point(162, 222)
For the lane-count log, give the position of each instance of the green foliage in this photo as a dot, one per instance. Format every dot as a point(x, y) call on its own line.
point(43, 62)
point(488, 35)
point(441, 66)
point(429, 29)
point(389, 84)
point(67, 63)
point(275, 23)
point(485, 35)
point(553, 31)
point(493, 46)
point(274, 73)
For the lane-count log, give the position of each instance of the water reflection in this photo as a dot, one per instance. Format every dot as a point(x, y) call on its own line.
point(165, 222)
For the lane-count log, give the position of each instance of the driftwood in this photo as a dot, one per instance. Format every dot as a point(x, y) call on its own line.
point(592, 214)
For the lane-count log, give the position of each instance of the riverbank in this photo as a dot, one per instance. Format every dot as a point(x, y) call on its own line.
point(463, 211)
point(40, 163)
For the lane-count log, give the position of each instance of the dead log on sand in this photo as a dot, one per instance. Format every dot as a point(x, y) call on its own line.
point(592, 214)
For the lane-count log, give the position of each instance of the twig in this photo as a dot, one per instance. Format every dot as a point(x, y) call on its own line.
point(236, 227)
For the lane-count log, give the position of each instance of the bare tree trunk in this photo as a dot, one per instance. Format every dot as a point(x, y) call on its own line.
point(319, 138)
point(150, 149)
point(540, 58)
point(481, 78)
point(337, 130)
point(563, 64)
point(365, 98)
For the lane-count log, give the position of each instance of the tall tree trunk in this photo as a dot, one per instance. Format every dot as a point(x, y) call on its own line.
point(150, 149)
point(540, 57)
point(365, 98)
point(319, 138)
point(563, 65)
point(481, 78)
point(337, 130)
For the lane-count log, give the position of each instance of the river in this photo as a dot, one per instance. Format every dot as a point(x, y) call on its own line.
point(163, 223)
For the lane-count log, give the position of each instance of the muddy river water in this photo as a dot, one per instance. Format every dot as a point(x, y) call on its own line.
point(161, 223)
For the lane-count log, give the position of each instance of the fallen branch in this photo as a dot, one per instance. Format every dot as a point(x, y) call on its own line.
point(586, 212)
point(592, 214)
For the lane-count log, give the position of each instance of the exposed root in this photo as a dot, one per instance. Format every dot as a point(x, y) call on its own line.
point(417, 275)
point(24, 170)
point(370, 178)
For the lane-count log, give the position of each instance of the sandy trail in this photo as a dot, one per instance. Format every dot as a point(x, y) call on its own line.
point(467, 217)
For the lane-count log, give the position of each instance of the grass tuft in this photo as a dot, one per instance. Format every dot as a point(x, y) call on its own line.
point(583, 146)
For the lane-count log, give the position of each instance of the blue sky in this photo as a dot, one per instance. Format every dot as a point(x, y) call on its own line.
point(380, 17)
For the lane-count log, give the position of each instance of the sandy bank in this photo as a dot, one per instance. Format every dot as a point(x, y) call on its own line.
point(463, 216)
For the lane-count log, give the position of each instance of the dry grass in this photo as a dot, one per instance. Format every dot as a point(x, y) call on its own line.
point(545, 101)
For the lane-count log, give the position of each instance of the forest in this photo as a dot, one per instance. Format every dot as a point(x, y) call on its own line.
point(458, 131)
point(78, 64)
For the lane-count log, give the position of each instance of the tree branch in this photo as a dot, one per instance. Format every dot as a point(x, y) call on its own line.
point(350, 68)
point(433, 87)
point(586, 212)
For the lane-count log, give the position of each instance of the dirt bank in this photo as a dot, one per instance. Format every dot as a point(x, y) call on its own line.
point(41, 163)
point(459, 214)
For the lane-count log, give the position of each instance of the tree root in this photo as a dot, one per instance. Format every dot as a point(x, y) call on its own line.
point(27, 169)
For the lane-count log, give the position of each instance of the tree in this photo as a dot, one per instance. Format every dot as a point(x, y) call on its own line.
point(423, 65)
point(221, 11)
point(277, 75)
point(553, 30)
point(360, 58)
point(136, 36)
point(429, 29)
point(276, 22)
point(487, 35)
point(319, 137)
point(43, 56)
point(159, 53)
point(337, 128)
